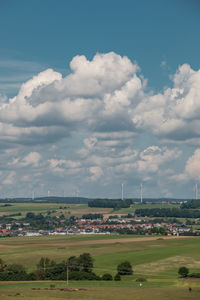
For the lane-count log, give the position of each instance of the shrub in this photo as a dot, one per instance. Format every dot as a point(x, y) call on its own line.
point(125, 268)
point(141, 279)
point(31, 276)
point(117, 277)
point(77, 275)
point(107, 276)
point(183, 271)
point(194, 275)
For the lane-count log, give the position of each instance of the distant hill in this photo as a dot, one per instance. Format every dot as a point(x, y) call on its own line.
point(54, 199)
point(51, 199)
point(83, 200)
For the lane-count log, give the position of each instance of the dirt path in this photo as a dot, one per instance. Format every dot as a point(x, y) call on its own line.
point(122, 240)
point(95, 242)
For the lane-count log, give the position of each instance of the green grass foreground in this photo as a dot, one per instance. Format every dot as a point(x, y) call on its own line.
point(157, 260)
point(96, 292)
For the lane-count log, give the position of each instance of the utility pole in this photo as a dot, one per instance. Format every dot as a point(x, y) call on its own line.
point(67, 275)
point(122, 191)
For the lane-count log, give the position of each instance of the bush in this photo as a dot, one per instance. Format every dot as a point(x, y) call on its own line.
point(14, 272)
point(117, 277)
point(141, 279)
point(31, 276)
point(194, 275)
point(125, 268)
point(183, 271)
point(107, 276)
point(77, 275)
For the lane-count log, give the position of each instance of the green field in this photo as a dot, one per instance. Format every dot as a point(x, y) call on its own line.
point(133, 207)
point(153, 258)
point(100, 293)
point(118, 292)
point(157, 260)
point(58, 208)
point(73, 209)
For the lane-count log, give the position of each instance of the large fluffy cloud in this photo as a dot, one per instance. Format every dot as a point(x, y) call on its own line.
point(102, 95)
point(175, 114)
point(96, 94)
point(103, 123)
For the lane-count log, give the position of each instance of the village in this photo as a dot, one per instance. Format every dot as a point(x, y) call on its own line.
point(110, 225)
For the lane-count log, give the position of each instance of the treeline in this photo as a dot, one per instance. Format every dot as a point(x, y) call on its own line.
point(50, 199)
point(69, 200)
point(75, 268)
point(78, 268)
point(137, 231)
point(110, 203)
point(168, 212)
point(92, 216)
point(191, 204)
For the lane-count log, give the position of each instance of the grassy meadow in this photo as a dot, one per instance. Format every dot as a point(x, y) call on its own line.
point(156, 260)
point(24, 291)
point(133, 207)
point(57, 208)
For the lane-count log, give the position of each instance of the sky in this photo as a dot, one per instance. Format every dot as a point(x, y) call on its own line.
point(94, 94)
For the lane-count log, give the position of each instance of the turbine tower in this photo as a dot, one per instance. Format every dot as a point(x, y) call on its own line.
point(141, 193)
point(122, 191)
point(196, 191)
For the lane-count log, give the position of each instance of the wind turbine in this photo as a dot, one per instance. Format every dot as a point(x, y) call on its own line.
point(196, 191)
point(122, 191)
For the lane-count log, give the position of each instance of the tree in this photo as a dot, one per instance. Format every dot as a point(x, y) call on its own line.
point(183, 271)
point(30, 215)
point(2, 265)
point(73, 263)
point(86, 262)
point(125, 268)
point(16, 272)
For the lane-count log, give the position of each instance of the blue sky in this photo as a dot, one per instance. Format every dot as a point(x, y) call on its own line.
point(96, 93)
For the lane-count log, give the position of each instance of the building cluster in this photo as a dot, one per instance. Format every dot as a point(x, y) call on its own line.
point(115, 225)
point(103, 226)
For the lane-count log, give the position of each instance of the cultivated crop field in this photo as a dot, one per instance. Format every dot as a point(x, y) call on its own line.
point(58, 208)
point(133, 207)
point(156, 259)
point(71, 209)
